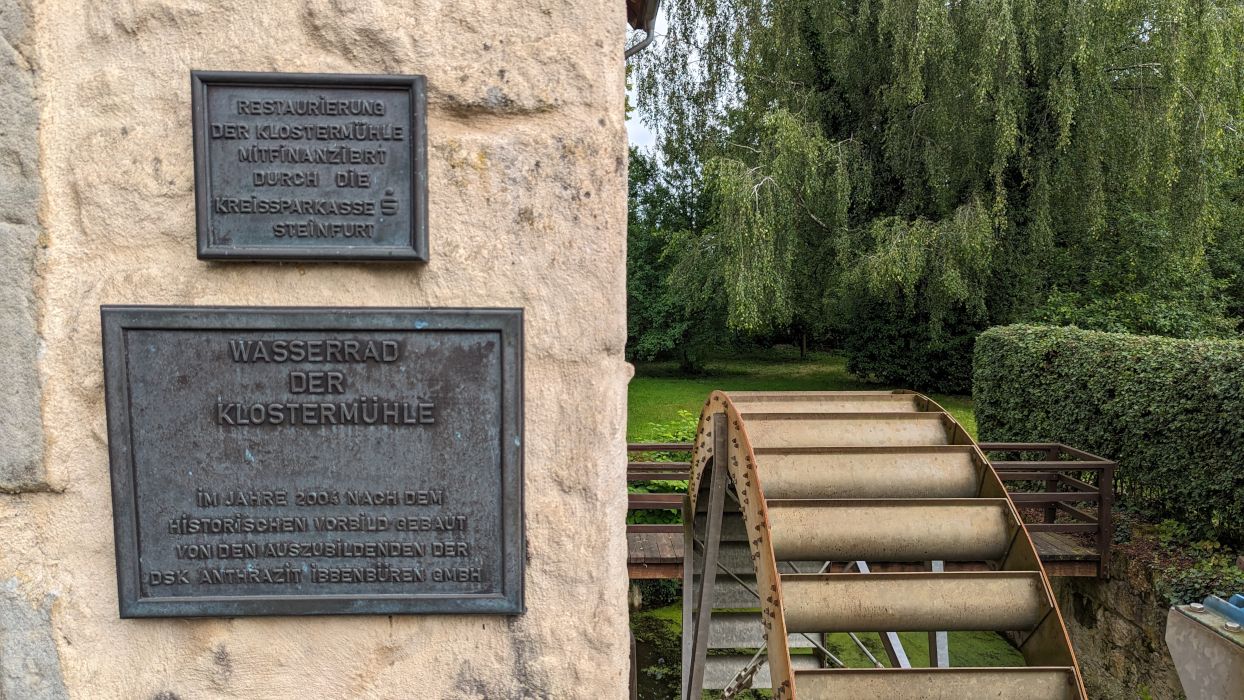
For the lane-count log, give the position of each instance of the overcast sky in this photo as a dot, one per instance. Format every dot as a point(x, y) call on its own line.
point(640, 135)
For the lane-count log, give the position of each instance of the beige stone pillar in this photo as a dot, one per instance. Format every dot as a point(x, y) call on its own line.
point(527, 158)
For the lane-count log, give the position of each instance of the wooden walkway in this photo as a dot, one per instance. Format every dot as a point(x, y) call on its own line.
point(654, 555)
point(1063, 556)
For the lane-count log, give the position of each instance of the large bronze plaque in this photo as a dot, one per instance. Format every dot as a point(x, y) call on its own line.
point(297, 461)
point(310, 167)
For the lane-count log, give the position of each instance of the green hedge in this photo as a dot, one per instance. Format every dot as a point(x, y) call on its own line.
point(1170, 412)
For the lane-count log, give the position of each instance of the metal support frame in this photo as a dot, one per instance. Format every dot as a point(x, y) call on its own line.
point(743, 679)
point(833, 660)
point(712, 539)
point(805, 604)
point(939, 642)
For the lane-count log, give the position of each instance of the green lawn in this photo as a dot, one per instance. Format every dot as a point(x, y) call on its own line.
point(659, 390)
point(966, 649)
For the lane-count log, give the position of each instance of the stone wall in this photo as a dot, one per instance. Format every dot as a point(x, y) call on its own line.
point(1118, 629)
point(21, 463)
point(527, 209)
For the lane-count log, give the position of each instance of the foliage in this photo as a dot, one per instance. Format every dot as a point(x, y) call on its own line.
point(1197, 568)
point(1215, 574)
point(1152, 294)
point(1226, 252)
point(659, 592)
point(896, 175)
point(681, 429)
point(773, 268)
point(658, 652)
point(672, 310)
point(911, 301)
point(1167, 410)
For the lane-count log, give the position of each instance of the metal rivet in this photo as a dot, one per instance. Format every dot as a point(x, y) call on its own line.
point(1232, 627)
point(1196, 608)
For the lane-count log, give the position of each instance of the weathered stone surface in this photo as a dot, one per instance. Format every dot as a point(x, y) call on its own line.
point(29, 665)
point(19, 147)
point(527, 158)
point(21, 437)
point(1118, 628)
point(534, 57)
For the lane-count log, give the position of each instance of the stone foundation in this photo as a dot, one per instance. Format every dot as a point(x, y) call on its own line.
point(1118, 628)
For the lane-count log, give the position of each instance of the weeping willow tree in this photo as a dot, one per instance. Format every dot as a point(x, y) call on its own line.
point(898, 174)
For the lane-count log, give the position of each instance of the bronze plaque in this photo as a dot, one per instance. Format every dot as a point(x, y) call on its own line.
point(310, 167)
point(296, 461)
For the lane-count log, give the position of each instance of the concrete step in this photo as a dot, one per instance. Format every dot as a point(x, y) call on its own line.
point(732, 527)
point(728, 593)
point(744, 630)
point(720, 670)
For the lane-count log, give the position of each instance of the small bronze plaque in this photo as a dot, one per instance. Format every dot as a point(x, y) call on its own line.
point(292, 166)
point(302, 461)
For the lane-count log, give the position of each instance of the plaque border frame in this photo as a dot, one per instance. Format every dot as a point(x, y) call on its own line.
point(414, 250)
point(117, 319)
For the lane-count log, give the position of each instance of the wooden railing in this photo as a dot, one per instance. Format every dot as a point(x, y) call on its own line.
point(1065, 492)
point(1073, 490)
point(656, 549)
point(656, 471)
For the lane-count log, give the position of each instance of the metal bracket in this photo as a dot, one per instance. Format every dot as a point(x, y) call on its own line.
point(704, 604)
